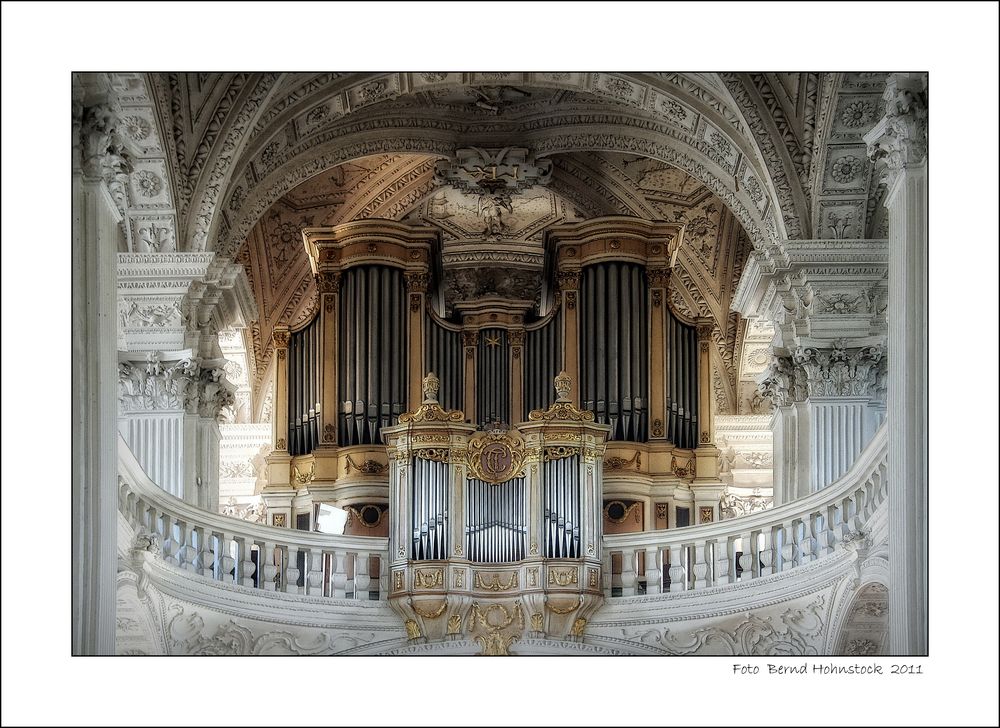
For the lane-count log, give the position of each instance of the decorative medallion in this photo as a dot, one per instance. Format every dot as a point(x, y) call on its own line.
point(496, 456)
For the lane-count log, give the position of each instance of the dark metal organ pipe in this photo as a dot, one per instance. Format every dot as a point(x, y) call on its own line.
point(495, 521)
point(682, 383)
point(542, 362)
point(304, 368)
point(372, 357)
point(614, 347)
point(446, 358)
point(493, 377)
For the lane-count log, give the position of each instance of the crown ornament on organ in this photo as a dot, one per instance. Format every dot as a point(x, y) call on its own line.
point(431, 387)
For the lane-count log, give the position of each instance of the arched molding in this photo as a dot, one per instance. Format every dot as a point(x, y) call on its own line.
point(663, 117)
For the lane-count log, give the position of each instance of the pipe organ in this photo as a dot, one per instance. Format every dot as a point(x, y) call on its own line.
point(496, 489)
point(614, 347)
point(372, 357)
point(304, 406)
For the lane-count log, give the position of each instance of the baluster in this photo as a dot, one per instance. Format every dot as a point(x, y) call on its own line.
point(678, 579)
point(206, 552)
point(383, 575)
point(789, 545)
point(362, 580)
point(269, 570)
point(843, 530)
point(629, 578)
point(654, 570)
point(188, 551)
point(349, 585)
point(700, 565)
point(314, 572)
point(248, 571)
point(825, 538)
point(606, 573)
point(806, 541)
point(291, 579)
point(725, 571)
point(225, 558)
point(171, 546)
point(340, 574)
point(767, 551)
point(748, 561)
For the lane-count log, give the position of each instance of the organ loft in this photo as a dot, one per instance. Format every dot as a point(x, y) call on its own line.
point(486, 399)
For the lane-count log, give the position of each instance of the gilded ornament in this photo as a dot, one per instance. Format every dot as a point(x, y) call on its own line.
point(619, 463)
point(657, 428)
point(635, 509)
point(563, 577)
point(368, 467)
point(278, 520)
point(412, 630)
point(536, 621)
point(428, 578)
point(565, 610)
point(706, 514)
point(430, 615)
point(397, 580)
point(437, 454)
point(454, 624)
point(495, 585)
point(558, 452)
point(593, 575)
point(304, 479)
point(380, 515)
point(495, 456)
point(578, 627)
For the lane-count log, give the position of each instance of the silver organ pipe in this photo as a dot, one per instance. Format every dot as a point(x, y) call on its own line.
point(372, 360)
point(303, 386)
point(682, 382)
point(429, 509)
point(495, 521)
point(614, 347)
point(446, 358)
point(542, 362)
point(493, 376)
point(561, 507)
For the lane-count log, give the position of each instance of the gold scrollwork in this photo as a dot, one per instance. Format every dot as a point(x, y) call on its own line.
point(558, 452)
point(430, 615)
point(412, 630)
point(494, 642)
point(438, 454)
point(432, 412)
point(368, 467)
point(354, 513)
point(428, 578)
point(565, 610)
point(563, 577)
point(454, 624)
point(578, 626)
point(628, 511)
point(304, 479)
point(620, 463)
point(706, 514)
point(536, 621)
point(495, 457)
point(561, 411)
point(495, 584)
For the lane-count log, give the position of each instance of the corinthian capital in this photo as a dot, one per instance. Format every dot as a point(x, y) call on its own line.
point(900, 138)
point(102, 149)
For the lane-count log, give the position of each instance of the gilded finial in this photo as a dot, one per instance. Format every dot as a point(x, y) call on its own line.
point(562, 382)
point(432, 385)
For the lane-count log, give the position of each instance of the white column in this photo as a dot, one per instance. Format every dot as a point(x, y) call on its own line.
point(95, 413)
point(900, 140)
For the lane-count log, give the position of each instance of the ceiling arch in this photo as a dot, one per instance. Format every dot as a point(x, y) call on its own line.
point(268, 130)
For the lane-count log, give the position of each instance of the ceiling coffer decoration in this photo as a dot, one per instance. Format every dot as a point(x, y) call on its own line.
point(493, 176)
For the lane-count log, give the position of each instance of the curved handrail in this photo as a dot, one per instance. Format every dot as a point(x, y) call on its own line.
point(791, 535)
point(221, 548)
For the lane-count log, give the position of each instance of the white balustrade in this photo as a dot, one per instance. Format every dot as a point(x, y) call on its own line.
point(224, 549)
point(769, 542)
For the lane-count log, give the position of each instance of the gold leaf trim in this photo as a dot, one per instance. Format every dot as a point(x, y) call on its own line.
point(495, 585)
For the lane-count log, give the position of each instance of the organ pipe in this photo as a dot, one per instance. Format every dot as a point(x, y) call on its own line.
point(543, 361)
point(446, 359)
point(561, 507)
point(495, 521)
point(493, 376)
point(682, 382)
point(372, 360)
point(429, 510)
point(304, 367)
point(614, 347)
